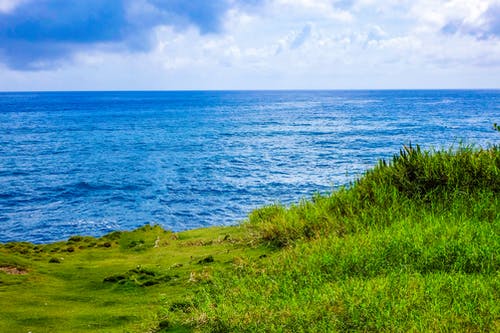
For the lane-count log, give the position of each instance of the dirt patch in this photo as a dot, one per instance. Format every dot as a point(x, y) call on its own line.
point(13, 270)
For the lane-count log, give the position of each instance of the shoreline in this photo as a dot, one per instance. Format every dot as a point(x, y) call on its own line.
point(407, 247)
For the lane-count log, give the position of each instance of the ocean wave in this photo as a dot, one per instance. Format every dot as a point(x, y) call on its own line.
point(85, 163)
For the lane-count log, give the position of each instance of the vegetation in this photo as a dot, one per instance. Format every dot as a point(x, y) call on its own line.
point(413, 245)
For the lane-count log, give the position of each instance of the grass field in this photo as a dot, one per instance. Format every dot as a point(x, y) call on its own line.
point(413, 245)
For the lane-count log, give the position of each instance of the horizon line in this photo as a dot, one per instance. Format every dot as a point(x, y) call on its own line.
point(248, 90)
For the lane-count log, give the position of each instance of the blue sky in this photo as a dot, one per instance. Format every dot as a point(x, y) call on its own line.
point(253, 44)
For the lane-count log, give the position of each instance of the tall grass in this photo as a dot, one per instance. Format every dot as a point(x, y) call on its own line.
point(413, 245)
point(415, 179)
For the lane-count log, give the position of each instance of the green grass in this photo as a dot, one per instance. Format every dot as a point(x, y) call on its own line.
point(413, 245)
point(117, 283)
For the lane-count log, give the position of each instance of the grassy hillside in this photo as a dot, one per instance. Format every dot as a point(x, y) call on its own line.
point(411, 246)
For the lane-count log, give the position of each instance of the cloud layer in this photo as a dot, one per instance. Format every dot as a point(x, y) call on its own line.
point(248, 44)
point(486, 25)
point(38, 34)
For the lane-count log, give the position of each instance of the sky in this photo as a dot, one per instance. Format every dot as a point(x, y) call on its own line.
point(254, 44)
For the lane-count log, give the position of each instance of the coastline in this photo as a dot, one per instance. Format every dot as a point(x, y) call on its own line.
point(408, 246)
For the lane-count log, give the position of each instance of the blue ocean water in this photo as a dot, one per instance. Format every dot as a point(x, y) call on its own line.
point(92, 162)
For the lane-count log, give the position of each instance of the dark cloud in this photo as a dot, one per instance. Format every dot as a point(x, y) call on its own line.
point(40, 34)
point(489, 26)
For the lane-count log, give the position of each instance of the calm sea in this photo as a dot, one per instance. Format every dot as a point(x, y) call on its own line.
point(92, 162)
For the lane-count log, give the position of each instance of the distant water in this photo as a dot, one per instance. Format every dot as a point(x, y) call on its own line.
point(92, 162)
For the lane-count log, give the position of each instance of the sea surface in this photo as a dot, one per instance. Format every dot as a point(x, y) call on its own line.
point(92, 162)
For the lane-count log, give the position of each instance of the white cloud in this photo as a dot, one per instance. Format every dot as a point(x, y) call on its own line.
point(304, 9)
point(302, 44)
point(434, 15)
point(301, 37)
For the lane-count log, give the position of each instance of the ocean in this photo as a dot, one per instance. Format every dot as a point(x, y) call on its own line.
point(92, 162)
